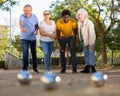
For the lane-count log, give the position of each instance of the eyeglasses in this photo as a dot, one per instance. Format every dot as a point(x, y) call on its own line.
point(47, 14)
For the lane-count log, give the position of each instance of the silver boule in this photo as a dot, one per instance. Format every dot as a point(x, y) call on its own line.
point(50, 80)
point(24, 77)
point(99, 78)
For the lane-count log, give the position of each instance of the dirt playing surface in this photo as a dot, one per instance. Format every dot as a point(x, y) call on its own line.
point(71, 85)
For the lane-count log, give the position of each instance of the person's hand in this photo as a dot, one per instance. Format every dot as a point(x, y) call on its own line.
point(53, 36)
point(24, 29)
point(60, 48)
point(91, 47)
point(35, 33)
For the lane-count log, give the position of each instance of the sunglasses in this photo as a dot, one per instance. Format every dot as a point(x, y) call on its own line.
point(47, 14)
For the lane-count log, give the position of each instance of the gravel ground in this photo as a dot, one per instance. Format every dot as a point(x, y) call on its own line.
point(71, 85)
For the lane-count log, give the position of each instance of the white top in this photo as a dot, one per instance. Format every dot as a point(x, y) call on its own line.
point(87, 32)
point(48, 29)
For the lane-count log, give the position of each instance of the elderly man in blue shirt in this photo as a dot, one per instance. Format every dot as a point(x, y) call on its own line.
point(29, 28)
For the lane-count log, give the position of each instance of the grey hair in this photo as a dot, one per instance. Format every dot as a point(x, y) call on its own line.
point(28, 5)
point(82, 10)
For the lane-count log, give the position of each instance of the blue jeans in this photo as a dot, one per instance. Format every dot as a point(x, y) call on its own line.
point(89, 55)
point(25, 46)
point(47, 48)
point(72, 46)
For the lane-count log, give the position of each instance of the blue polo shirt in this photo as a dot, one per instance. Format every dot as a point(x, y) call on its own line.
point(29, 23)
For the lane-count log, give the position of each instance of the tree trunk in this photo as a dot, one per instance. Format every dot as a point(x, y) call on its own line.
point(104, 54)
point(112, 56)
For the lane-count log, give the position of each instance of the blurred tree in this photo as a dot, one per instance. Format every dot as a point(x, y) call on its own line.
point(6, 4)
point(113, 40)
point(104, 13)
point(17, 44)
point(4, 46)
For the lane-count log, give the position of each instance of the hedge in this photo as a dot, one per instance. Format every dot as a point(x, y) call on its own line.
point(2, 64)
point(55, 61)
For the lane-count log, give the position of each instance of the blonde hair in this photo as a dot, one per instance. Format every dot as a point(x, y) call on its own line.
point(82, 10)
point(46, 11)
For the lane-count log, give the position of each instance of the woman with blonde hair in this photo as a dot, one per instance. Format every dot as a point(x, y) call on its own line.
point(87, 37)
point(47, 35)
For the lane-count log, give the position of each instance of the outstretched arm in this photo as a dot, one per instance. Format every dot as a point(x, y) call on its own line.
point(22, 27)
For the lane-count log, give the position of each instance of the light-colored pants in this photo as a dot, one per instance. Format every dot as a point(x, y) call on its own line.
point(47, 48)
point(89, 55)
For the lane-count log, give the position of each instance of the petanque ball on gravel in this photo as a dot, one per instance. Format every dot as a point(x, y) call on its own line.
point(50, 80)
point(24, 77)
point(99, 78)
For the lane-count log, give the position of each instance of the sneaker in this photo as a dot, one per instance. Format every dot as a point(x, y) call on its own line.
point(62, 71)
point(86, 69)
point(35, 70)
point(74, 71)
point(47, 71)
point(93, 69)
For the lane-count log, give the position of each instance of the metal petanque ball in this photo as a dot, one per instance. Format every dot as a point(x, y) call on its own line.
point(99, 78)
point(50, 80)
point(24, 77)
